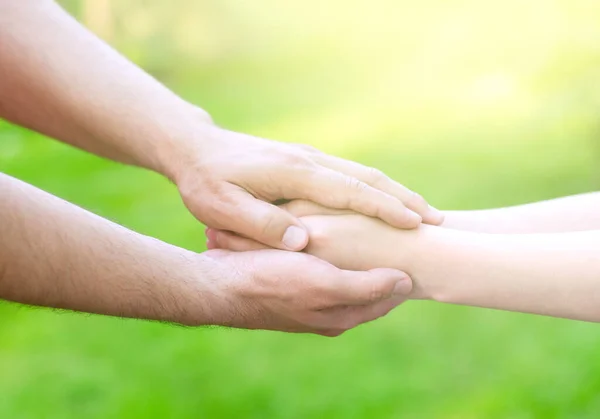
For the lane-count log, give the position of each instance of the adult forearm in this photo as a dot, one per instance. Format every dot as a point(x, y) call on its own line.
point(55, 254)
point(573, 213)
point(59, 79)
point(552, 274)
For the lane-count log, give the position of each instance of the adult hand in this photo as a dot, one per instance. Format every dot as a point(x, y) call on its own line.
point(296, 292)
point(126, 115)
point(229, 181)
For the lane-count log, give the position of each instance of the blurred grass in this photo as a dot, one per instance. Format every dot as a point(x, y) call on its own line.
point(473, 104)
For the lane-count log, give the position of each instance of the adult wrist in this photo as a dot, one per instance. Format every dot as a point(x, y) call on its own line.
point(207, 299)
point(189, 295)
point(184, 142)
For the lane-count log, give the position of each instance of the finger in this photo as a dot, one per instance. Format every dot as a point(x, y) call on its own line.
point(240, 212)
point(231, 241)
point(341, 319)
point(379, 180)
point(367, 314)
point(364, 288)
point(307, 148)
point(337, 190)
point(210, 239)
point(303, 208)
point(223, 239)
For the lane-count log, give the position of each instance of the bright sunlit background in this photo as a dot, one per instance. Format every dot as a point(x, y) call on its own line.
point(472, 103)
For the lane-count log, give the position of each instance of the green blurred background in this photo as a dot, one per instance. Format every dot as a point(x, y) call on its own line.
point(472, 103)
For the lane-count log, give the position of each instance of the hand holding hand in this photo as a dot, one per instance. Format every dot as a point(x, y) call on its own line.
point(230, 180)
point(296, 292)
point(343, 238)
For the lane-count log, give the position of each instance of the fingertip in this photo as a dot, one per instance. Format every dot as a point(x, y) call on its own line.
point(295, 238)
point(402, 287)
point(210, 245)
point(211, 234)
point(408, 219)
point(414, 218)
point(434, 216)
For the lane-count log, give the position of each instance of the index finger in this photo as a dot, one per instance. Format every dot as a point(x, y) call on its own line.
point(377, 179)
point(337, 190)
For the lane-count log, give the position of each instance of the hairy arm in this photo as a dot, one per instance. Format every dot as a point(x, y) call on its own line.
point(55, 254)
point(58, 78)
point(573, 213)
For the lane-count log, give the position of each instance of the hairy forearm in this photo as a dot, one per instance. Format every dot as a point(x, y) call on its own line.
point(573, 213)
point(55, 254)
point(61, 80)
point(550, 274)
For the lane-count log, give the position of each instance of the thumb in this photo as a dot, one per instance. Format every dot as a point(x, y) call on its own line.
point(262, 221)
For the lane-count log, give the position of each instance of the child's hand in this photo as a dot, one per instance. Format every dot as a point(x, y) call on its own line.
point(343, 238)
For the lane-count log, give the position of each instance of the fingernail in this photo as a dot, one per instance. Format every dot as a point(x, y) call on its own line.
point(294, 238)
point(403, 287)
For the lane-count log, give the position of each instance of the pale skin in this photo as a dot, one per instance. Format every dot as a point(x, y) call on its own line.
point(540, 258)
point(59, 79)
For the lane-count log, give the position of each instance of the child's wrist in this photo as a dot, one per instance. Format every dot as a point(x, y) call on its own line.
point(431, 247)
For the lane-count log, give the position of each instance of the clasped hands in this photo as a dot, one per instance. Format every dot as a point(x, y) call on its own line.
point(228, 181)
point(352, 242)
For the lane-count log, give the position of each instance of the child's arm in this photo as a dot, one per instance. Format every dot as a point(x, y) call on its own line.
point(573, 213)
point(551, 274)
point(554, 274)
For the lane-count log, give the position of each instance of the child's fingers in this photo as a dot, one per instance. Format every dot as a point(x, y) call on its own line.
point(220, 239)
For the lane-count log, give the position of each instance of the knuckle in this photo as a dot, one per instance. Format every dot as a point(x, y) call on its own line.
point(377, 293)
point(415, 200)
point(295, 160)
point(375, 177)
point(267, 224)
point(355, 185)
point(307, 148)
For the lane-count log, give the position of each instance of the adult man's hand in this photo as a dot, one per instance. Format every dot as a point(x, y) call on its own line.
point(61, 80)
point(55, 254)
point(296, 292)
point(228, 181)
